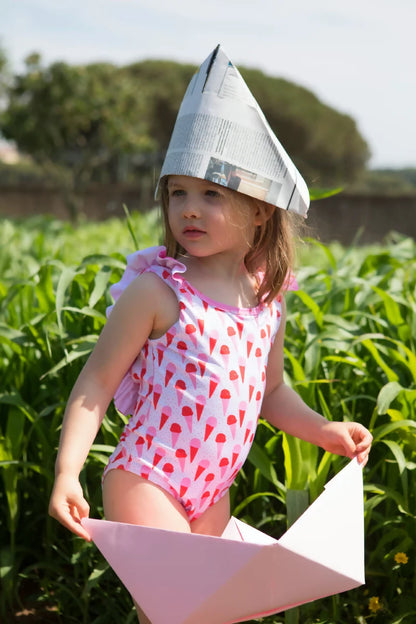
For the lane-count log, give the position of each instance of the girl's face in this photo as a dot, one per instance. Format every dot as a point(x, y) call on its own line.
point(206, 219)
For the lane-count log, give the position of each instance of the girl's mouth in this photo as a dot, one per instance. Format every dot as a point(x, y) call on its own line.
point(193, 232)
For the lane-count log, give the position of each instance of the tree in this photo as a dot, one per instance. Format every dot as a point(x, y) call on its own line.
point(325, 144)
point(4, 77)
point(80, 121)
point(102, 123)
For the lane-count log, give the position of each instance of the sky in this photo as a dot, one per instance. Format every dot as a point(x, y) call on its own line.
point(354, 55)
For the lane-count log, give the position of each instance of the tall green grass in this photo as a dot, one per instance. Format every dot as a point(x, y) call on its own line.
point(350, 353)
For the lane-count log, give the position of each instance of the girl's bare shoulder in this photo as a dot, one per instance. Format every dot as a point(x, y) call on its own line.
point(149, 295)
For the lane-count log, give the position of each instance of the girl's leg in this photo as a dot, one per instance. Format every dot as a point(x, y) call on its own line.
point(214, 520)
point(132, 499)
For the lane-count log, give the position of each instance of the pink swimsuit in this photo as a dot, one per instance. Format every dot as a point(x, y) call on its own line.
point(194, 395)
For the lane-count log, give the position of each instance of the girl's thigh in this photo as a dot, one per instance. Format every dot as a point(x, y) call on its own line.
point(135, 500)
point(214, 520)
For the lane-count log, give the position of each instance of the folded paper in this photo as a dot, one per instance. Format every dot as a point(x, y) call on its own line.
point(184, 578)
point(222, 135)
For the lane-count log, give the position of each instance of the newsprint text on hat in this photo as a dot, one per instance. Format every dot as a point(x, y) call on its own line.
point(222, 135)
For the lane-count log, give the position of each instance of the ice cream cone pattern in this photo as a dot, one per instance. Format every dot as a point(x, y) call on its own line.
point(251, 386)
point(205, 496)
point(122, 454)
point(183, 348)
point(208, 480)
point(210, 425)
point(213, 341)
point(149, 388)
point(201, 324)
point(248, 432)
point(181, 456)
point(199, 406)
point(232, 423)
point(170, 371)
point(168, 468)
point(190, 368)
point(145, 471)
point(138, 405)
point(175, 430)
point(180, 387)
point(140, 442)
point(258, 354)
point(213, 383)
point(157, 391)
point(185, 483)
point(202, 360)
point(220, 439)
point(150, 434)
point(242, 412)
point(159, 454)
point(225, 354)
point(224, 461)
point(203, 465)
point(170, 336)
point(250, 342)
point(186, 293)
point(188, 414)
point(233, 335)
point(225, 395)
point(160, 354)
point(140, 421)
point(165, 415)
point(236, 454)
point(258, 397)
point(242, 367)
point(195, 446)
point(191, 331)
point(234, 377)
point(240, 327)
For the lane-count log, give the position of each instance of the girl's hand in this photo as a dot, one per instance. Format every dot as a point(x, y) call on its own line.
point(346, 438)
point(68, 505)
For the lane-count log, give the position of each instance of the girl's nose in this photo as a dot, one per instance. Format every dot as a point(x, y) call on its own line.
point(190, 208)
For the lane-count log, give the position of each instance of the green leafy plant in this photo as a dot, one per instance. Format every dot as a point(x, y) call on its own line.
point(349, 353)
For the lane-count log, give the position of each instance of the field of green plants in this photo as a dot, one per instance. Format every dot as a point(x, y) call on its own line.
point(350, 353)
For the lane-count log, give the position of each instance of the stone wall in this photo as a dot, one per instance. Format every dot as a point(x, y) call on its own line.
point(363, 218)
point(343, 217)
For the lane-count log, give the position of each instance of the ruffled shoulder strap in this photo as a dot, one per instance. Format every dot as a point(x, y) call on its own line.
point(291, 282)
point(151, 259)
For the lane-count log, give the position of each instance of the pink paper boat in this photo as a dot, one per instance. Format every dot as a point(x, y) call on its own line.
point(184, 578)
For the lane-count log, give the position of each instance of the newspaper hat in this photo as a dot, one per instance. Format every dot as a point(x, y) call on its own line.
point(222, 135)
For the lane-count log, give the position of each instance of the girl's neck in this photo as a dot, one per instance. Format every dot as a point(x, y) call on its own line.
point(222, 281)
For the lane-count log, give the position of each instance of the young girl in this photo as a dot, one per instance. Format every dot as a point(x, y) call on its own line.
point(193, 351)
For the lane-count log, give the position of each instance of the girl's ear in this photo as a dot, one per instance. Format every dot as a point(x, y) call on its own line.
point(262, 212)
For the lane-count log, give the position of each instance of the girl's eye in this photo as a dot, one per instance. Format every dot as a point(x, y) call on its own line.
point(212, 193)
point(176, 193)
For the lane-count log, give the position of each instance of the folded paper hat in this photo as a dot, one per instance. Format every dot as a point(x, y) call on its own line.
point(183, 578)
point(222, 135)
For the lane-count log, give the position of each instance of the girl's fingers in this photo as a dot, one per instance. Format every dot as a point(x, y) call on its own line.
point(72, 521)
point(70, 513)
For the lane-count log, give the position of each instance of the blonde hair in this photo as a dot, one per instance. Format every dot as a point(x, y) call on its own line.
point(272, 251)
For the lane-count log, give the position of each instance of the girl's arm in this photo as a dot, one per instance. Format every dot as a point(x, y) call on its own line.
point(145, 308)
point(284, 409)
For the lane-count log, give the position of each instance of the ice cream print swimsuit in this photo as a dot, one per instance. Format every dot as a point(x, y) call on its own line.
point(194, 394)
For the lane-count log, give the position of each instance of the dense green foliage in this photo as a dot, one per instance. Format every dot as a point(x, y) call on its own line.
point(385, 182)
point(103, 122)
point(350, 353)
